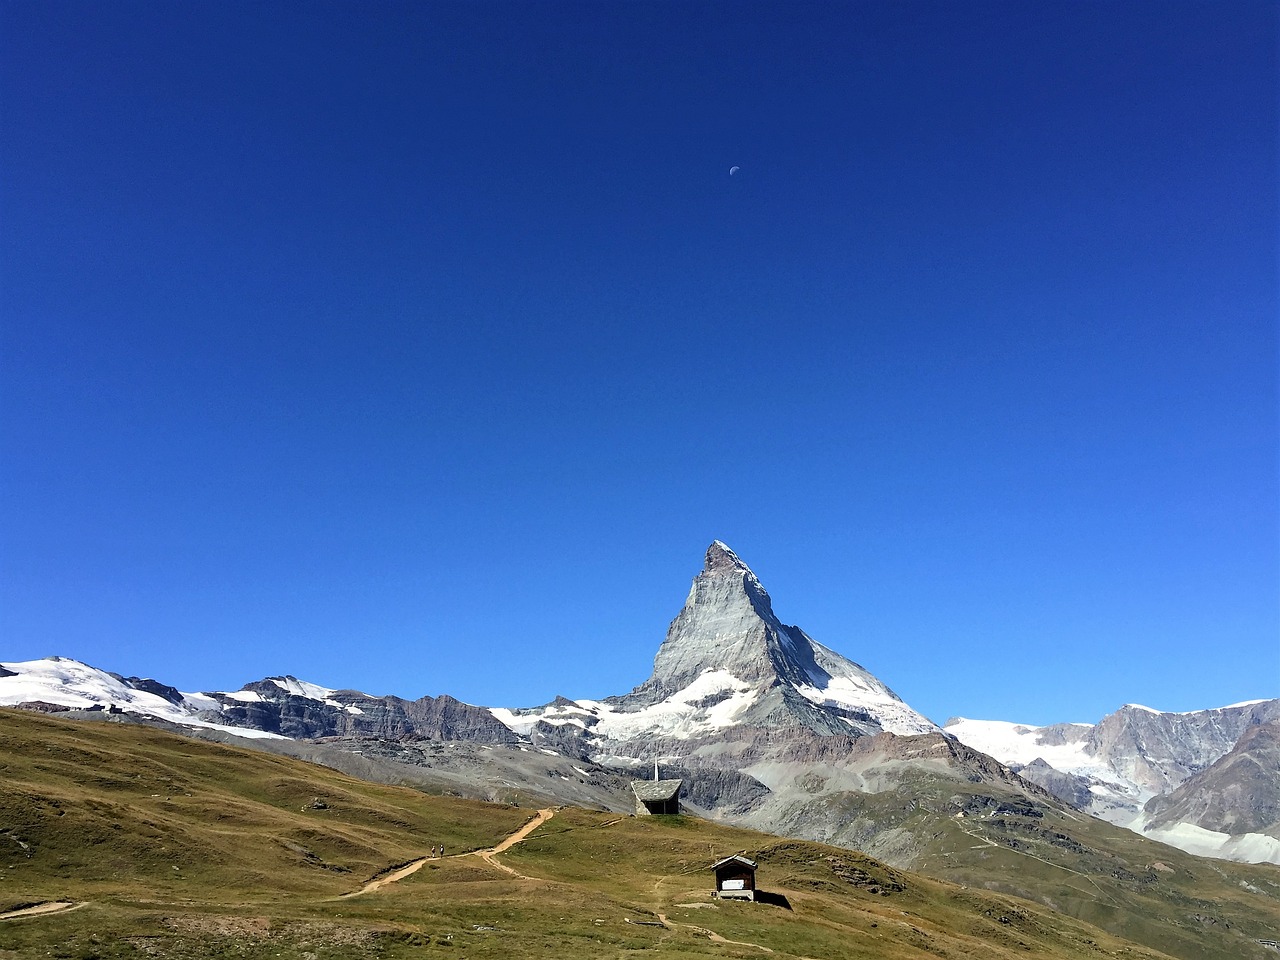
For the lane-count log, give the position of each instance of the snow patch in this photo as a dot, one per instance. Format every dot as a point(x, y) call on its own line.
point(245, 696)
point(522, 722)
point(1020, 744)
point(1243, 848)
point(312, 691)
point(300, 688)
point(680, 715)
point(202, 701)
point(687, 713)
point(844, 684)
point(855, 693)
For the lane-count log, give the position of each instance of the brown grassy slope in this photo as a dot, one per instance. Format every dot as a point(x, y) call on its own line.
point(598, 885)
point(1189, 907)
point(180, 848)
point(110, 807)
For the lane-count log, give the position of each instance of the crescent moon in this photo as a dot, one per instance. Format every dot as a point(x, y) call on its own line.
point(733, 170)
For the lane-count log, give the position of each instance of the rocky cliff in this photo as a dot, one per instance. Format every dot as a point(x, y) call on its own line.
point(1158, 751)
point(1238, 794)
point(288, 707)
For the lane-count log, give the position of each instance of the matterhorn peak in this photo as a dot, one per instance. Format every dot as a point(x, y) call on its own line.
point(728, 630)
point(721, 557)
point(725, 579)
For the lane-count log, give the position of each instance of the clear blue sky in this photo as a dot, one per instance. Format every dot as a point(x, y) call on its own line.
point(424, 347)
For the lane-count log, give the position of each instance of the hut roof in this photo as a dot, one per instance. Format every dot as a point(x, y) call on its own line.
point(654, 790)
point(740, 859)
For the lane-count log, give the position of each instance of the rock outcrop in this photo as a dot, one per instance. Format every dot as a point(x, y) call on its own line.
point(267, 705)
point(1067, 787)
point(1238, 794)
point(147, 685)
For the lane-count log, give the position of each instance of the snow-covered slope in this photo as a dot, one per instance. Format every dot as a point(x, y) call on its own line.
point(1243, 848)
point(59, 681)
point(275, 707)
point(1065, 748)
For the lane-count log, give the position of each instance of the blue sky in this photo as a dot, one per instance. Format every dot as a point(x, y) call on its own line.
point(423, 348)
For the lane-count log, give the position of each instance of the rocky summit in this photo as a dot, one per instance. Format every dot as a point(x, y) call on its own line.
point(728, 677)
point(728, 626)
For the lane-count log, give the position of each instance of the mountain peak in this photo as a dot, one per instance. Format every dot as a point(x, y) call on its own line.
point(727, 631)
point(726, 580)
point(720, 557)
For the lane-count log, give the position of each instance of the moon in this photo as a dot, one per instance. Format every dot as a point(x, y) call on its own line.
point(733, 170)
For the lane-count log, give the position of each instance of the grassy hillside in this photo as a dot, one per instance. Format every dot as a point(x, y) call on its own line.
point(180, 848)
point(986, 837)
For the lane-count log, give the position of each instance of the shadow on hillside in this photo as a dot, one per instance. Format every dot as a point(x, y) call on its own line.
point(772, 899)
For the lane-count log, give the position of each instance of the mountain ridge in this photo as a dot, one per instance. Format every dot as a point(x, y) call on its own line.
point(1124, 767)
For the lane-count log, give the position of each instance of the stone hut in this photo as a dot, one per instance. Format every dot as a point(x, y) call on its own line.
point(657, 796)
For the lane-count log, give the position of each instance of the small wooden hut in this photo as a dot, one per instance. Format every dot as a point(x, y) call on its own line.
point(735, 878)
point(657, 796)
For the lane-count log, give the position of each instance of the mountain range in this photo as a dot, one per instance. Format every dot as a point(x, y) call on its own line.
point(770, 729)
point(747, 708)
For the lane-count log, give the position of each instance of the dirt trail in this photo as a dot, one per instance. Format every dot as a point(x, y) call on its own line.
point(486, 855)
point(711, 934)
point(41, 908)
point(391, 877)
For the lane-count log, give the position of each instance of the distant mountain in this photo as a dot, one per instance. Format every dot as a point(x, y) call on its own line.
point(728, 665)
point(1124, 767)
point(274, 707)
point(728, 627)
point(1231, 809)
point(1238, 794)
point(59, 684)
